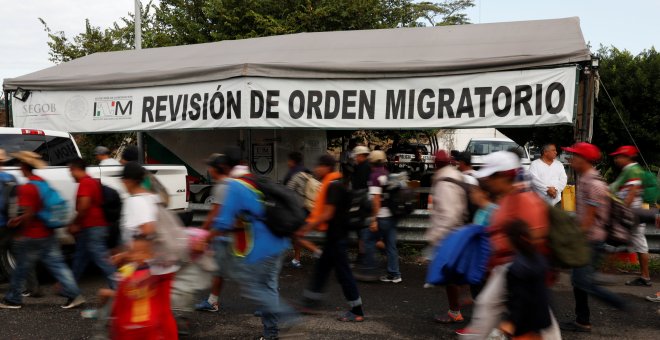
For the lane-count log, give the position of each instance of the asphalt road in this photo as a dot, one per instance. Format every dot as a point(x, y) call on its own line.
point(394, 311)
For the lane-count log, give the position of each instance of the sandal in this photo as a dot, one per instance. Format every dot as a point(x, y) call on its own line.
point(449, 318)
point(351, 317)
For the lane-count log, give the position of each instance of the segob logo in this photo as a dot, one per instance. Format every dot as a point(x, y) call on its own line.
point(113, 107)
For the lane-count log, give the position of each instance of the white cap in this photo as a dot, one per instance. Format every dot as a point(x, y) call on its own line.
point(497, 162)
point(361, 150)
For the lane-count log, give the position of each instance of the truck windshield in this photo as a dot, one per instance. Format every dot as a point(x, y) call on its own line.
point(481, 148)
point(56, 151)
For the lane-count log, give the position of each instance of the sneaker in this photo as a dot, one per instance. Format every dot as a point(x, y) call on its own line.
point(29, 293)
point(391, 278)
point(466, 332)
point(10, 305)
point(295, 264)
point(73, 303)
point(450, 318)
point(575, 327)
point(206, 306)
point(653, 298)
point(639, 282)
point(90, 314)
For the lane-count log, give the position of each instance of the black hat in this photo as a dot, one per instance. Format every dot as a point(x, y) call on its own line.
point(134, 171)
point(130, 154)
point(217, 160)
point(233, 155)
point(327, 160)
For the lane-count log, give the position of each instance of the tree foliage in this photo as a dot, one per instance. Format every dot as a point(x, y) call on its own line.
point(633, 81)
point(183, 22)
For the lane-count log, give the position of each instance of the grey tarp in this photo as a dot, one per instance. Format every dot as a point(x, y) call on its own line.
point(386, 53)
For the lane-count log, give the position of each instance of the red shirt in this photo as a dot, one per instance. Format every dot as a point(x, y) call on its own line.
point(90, 187)
point(528, 207)
point(28, 197)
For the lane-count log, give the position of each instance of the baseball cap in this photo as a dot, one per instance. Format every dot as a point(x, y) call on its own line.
point(376, 156)
point(626, 150)
point(101, 150)
point(361, 150)
point(442, 157)
point(498, 162)
point(587, 151)
point(217, 160)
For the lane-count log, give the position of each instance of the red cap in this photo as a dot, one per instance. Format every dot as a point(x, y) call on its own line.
point(626, 150)
point(587, 151)
point(441, 156)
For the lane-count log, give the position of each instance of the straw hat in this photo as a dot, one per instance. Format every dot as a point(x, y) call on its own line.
point(30, 158)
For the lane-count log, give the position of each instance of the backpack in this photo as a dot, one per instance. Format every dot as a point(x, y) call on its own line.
point(651, 189)
point(55, 210)
point(360, 210)
point(284, 213)
point(399, 198)
point(620, 223)
point(312, 187)
point(111, 204)
point(171, 242)
point(471, 207)
point(8, 201)
point(566, 240)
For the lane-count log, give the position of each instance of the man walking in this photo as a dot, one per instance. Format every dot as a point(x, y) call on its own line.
point(334, 202)
point(36, 242)
point(383, 225)
point(449, 212)
point(258, 268)
point(464, 165)
point(102, 155)
point(89, 226)
point(592, 210)
point(296, 180)
point(218, 168)
point(548, 175)
point(628, 187)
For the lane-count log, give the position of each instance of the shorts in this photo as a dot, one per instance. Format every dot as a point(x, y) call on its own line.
point(638, 243)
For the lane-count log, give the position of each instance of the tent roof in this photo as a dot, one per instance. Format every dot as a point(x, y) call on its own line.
point(385, 53)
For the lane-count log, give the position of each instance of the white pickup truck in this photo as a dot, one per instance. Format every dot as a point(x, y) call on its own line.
point(58, 149)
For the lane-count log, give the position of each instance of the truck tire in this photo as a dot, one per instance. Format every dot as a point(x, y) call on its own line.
point(7, 259)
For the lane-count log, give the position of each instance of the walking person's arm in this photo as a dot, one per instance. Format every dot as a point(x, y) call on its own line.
point(83, 204)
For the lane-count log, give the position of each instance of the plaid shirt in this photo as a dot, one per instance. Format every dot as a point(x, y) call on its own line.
point(593, 191)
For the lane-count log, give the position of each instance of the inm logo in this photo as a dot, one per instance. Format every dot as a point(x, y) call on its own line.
point(111, 107)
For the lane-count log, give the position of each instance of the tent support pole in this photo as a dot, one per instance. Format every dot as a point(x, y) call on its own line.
point(584, 128)
point(140, 145)
point(8, 121)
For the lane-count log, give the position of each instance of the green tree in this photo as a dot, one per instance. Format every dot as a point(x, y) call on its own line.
point(633, 82)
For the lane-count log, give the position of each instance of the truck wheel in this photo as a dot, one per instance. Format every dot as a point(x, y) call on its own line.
point(7, 259)
point(205, 197)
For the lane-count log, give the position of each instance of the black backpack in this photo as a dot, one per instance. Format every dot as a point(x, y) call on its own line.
point(8, 197)
point(399, 198)
point(472, 208)
point(360, 210)
point(284, 212)
point(111, 204)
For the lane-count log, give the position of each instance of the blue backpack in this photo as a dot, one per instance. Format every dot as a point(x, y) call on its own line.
point(55, 210)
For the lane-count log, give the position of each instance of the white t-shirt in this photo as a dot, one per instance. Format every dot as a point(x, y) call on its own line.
point(545, 176)
point(109, 161)
point(377, 189)
point(136, 211)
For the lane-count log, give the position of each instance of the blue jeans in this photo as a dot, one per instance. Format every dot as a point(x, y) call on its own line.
point(47, 250)
point(584, 285)
point(260, 284)
point(91, 244)
point(386, 230)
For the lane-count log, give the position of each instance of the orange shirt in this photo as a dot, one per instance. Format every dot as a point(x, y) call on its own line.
point(525, 206)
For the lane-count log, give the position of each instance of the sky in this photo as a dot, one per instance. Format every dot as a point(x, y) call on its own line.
point(633, 25)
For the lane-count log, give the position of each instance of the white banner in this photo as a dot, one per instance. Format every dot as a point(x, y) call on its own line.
point(498, 99)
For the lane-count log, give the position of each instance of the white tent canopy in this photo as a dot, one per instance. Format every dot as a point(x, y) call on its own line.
point(501, 74)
